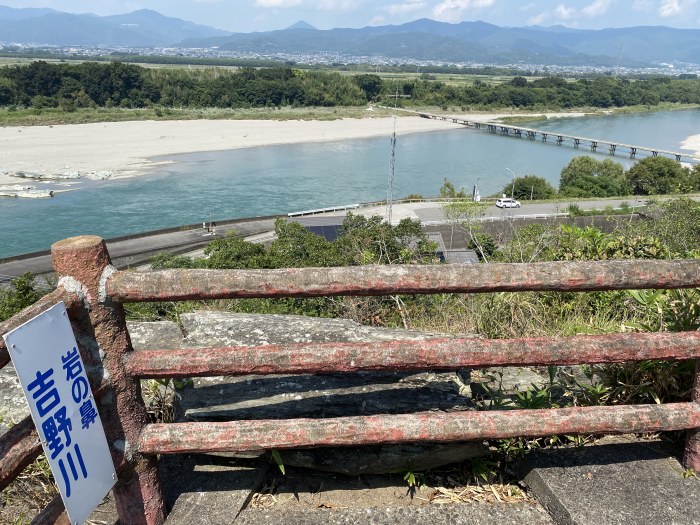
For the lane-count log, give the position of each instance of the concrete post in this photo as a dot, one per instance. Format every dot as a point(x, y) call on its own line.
point(138, 492)
point(691, 455)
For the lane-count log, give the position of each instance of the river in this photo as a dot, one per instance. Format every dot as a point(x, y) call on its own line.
point(281, 179)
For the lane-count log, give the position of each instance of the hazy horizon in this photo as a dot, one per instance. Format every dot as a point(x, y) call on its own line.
point(247, 16)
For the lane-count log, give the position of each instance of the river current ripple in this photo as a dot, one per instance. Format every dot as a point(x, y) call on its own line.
point(280, 179)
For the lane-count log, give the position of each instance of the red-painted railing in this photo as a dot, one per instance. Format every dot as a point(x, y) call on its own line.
point(97, 292)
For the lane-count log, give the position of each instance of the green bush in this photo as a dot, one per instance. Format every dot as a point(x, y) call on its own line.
point(530, 187)
point(587, 177)
point(21, 293)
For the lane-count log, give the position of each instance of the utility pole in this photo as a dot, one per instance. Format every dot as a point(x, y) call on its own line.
point(512, 190)
point(392, 165)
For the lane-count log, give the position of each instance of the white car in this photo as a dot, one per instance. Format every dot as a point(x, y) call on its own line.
point(507, 203)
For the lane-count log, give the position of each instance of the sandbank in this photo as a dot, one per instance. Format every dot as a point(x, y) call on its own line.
point(692, 143)
point(128, 148)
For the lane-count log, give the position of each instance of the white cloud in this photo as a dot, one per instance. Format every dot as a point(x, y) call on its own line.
point(453, 10)
point(684, 8)
point(339, 5)
point(277, 3)
point(569, 15)
point(644, 6)
point(538, 20)
point(564, 13)
point(597, 8)
point(405, 8)
point(326, 5)
point(670, 8)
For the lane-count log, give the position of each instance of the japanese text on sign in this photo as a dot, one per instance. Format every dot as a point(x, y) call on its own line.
point(55, 382)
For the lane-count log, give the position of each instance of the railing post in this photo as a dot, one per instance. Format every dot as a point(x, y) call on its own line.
point(691, 456)
point(138, 492)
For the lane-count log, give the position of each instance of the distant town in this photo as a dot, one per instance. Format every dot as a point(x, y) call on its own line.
point(330, 59)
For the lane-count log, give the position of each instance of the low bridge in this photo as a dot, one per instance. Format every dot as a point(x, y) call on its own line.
point(560, 139)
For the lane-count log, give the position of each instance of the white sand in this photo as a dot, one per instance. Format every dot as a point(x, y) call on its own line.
point(692, 143)
point(125, 148)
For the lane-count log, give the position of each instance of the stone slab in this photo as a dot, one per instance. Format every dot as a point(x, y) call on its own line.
point(154, 335)
point(383, 459)
point(210, 328)
point(293, 396)
point(207, 490)
point(459, 514)
point(318, 396)
point(617, 481)
point(13, 405)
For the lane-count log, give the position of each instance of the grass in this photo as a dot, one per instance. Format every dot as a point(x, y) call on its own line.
point(590, 111)
point(55, 116)
point(28, 494)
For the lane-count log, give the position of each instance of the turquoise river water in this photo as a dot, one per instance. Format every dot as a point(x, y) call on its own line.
point(281, 179)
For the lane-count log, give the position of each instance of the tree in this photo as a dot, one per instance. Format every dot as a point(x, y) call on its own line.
point(370, 84)
point(659, 176)
point(465, 216)
point(519, 82)
point(7, 91)
point(296, 247)
point(695, 178)
point(587, 177)
point(165, 260)
point(234, 252)
point(374, 241)
point(22, 293)
point(530, 187)
point(676, 223)
point(448, 191)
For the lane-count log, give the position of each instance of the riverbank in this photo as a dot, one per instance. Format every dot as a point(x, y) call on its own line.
point(692, 143)
point(124, 149)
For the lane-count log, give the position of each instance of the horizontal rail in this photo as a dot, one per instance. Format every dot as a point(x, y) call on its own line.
point(53, 514)
point(179, 285)
point(43, 304)
point(342, 207)
point(240, 436)
point(19, 446)
point(501, 218)
point(430, 354)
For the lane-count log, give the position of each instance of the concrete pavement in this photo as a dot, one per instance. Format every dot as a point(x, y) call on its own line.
point(619, 480)
point(137, 249)
point(623, 480)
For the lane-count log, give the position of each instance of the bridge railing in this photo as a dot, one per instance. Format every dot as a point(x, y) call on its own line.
point(84, 266)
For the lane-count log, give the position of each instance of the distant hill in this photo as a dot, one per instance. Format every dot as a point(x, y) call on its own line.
point(477, 41)
point(301, 25)
point(10, 13)
point(422, 39)
point(142, 28)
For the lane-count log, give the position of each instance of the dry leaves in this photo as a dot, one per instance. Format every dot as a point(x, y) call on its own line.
point(482, 494)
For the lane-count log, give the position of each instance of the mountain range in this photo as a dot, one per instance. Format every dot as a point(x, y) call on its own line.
point(422, 39)
point(143, 28)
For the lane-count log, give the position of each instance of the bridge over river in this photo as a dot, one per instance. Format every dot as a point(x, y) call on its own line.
point(560, 139)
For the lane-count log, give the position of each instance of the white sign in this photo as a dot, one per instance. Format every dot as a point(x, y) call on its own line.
point(51, 371)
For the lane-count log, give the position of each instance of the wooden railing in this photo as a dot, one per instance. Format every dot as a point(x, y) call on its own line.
point(95, 291)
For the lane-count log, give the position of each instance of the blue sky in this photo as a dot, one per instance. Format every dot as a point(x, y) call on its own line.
point(263, 15)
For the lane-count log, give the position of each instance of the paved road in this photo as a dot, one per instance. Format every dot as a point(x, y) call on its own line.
point(137, 250)
point(126, 252)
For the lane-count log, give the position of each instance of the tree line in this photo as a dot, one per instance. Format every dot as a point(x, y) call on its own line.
point(587, 177)
point(115, 84)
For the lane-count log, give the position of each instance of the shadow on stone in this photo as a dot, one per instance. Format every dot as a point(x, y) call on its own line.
point(618, 480)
